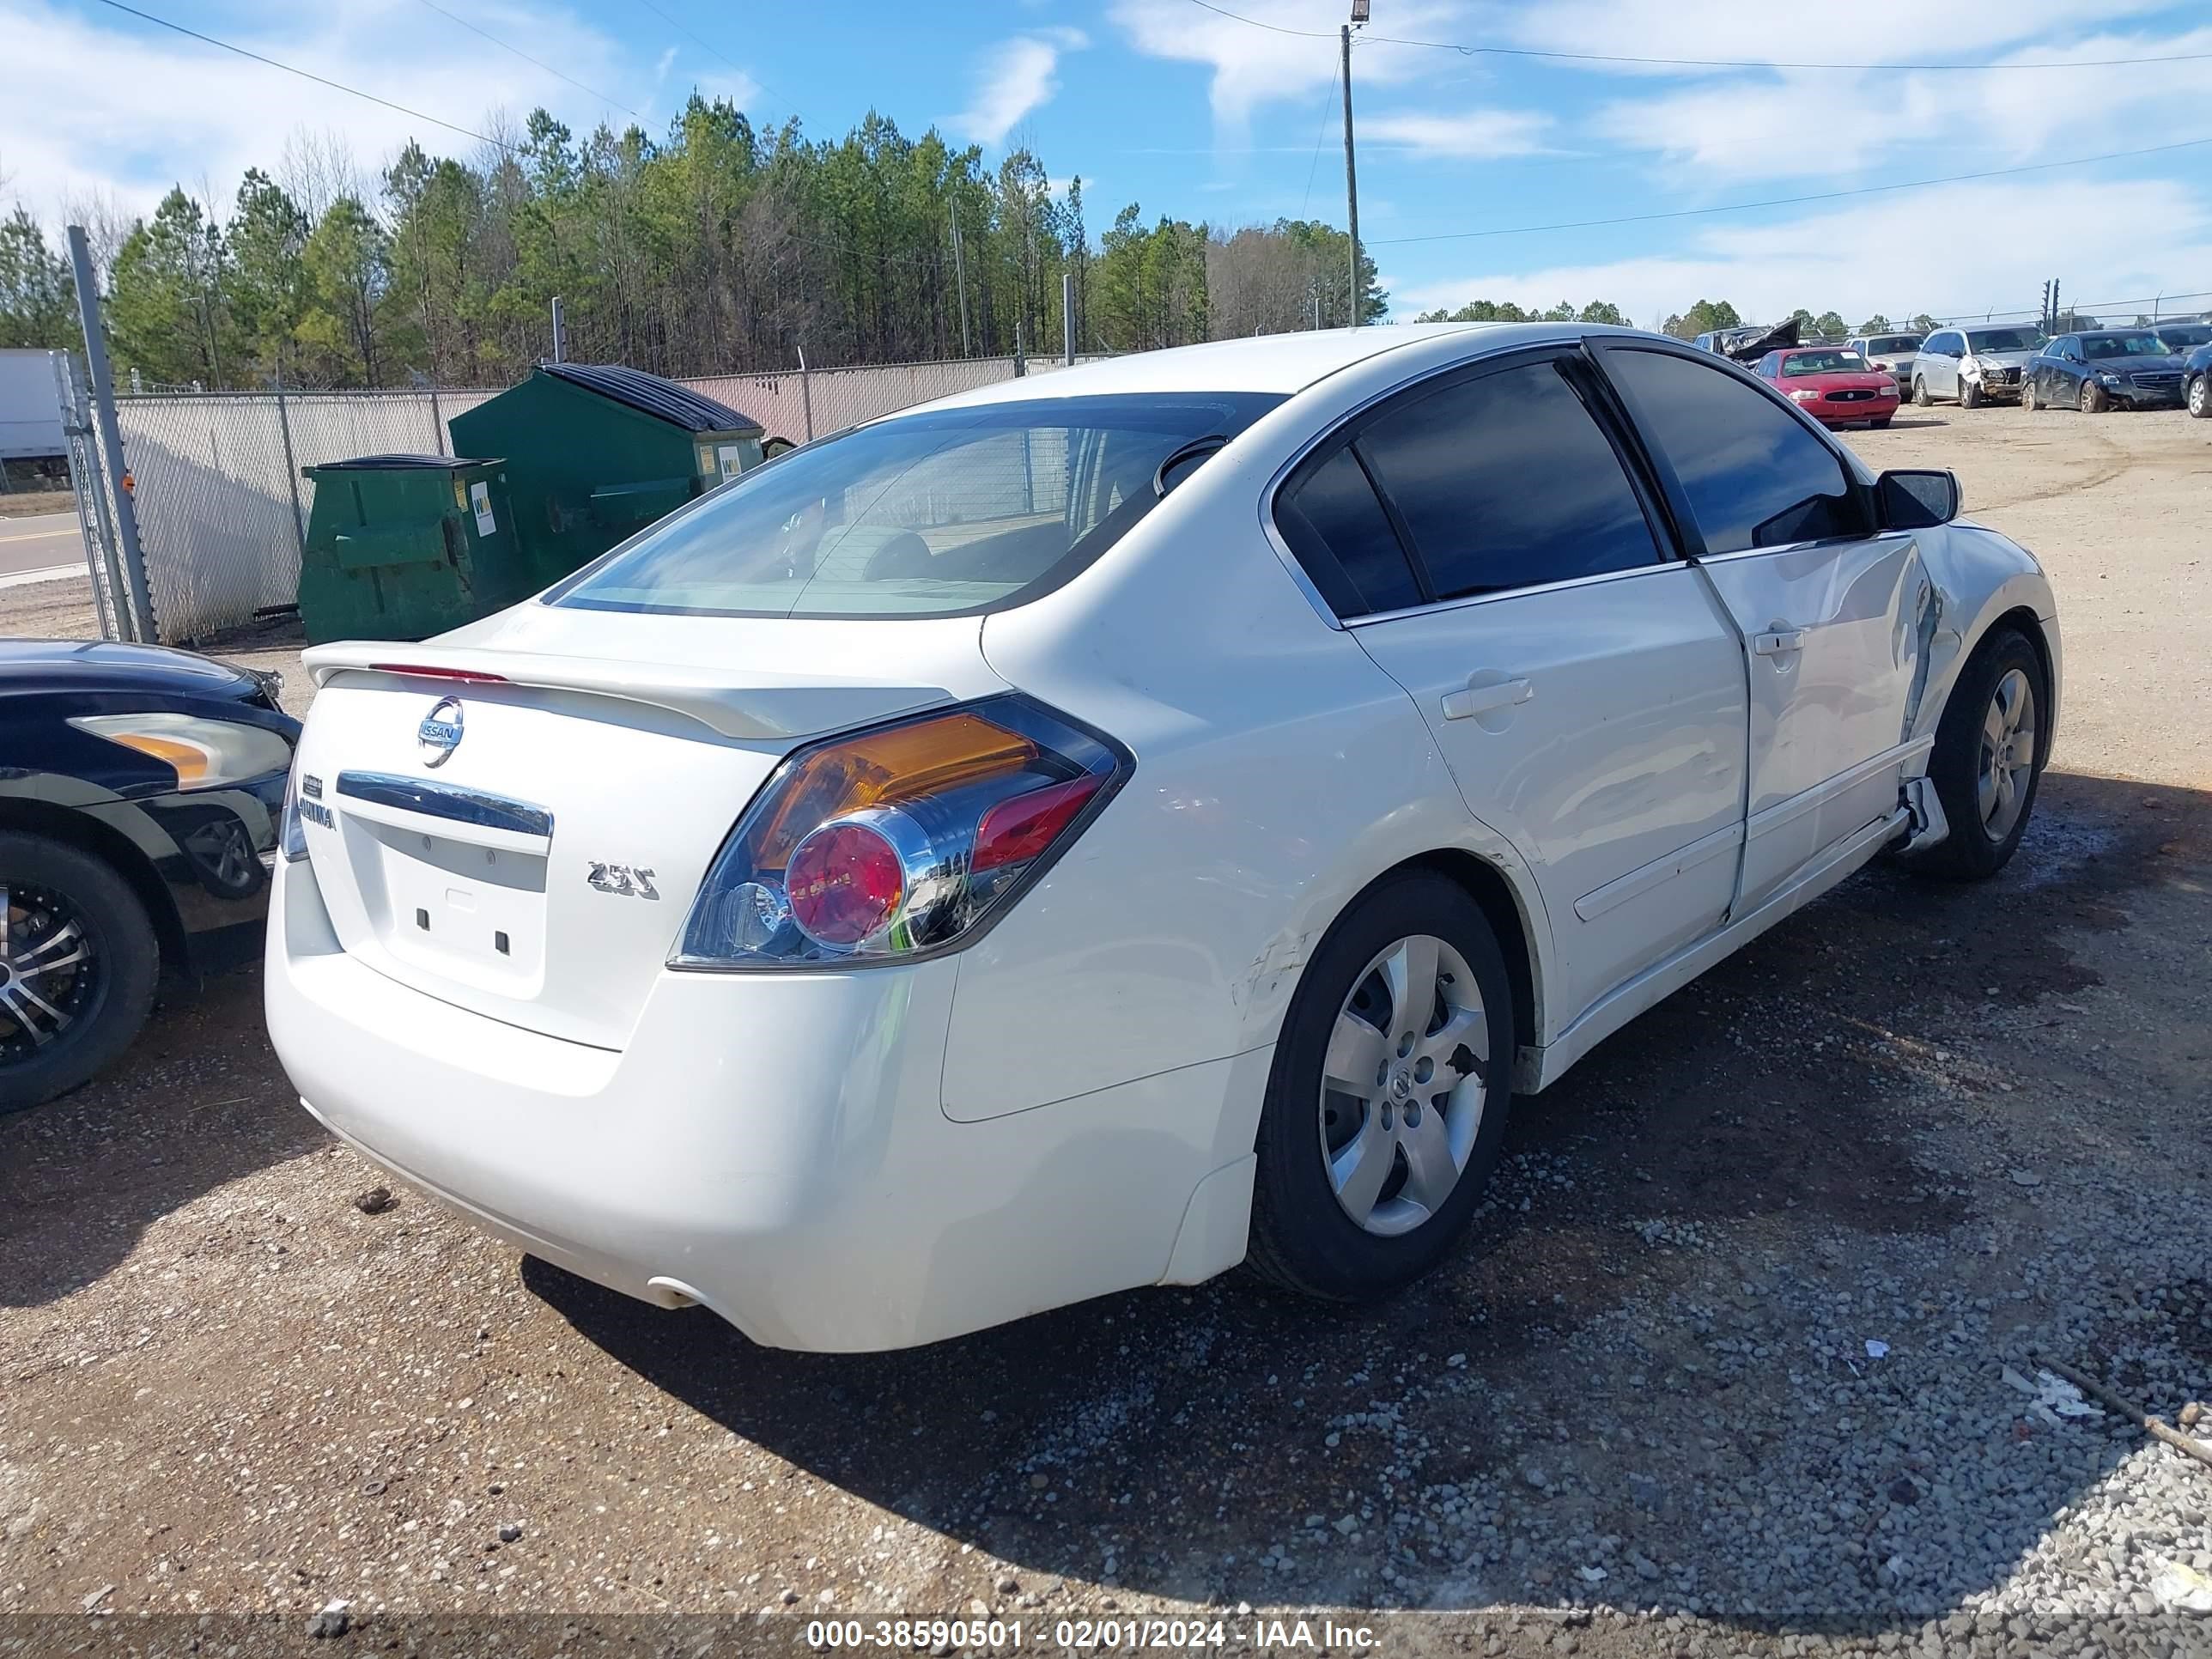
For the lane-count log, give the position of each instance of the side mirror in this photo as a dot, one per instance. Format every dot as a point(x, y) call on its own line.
point(1917, 500)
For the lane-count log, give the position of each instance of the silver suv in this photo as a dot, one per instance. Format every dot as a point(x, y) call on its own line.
point(1974, 366)
point(1893, 353)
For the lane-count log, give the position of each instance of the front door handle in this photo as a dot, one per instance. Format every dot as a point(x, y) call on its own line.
point(1778, 641)
point(1482, 699)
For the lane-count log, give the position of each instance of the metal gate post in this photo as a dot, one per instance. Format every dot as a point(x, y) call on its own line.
point(291, 469)
point(806, 391)
point(91, 510)
point(110, 434)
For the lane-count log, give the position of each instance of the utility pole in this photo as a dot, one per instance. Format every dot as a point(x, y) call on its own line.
point(1351, 171)
point(560, 333)
point(111, 437)
point(960, 276)
point(1067, 317)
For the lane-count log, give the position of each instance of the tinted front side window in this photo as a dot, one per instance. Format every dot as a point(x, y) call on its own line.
point(1329, 516)
point(1753, 476)
point(1506, 480)
point(957, 510)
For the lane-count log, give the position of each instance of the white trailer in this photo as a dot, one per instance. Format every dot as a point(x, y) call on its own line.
point(30, 407)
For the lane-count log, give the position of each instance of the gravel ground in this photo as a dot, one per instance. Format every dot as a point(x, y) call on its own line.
point(1742, 1358)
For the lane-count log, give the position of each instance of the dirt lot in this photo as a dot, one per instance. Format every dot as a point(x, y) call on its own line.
point(1723, 1369)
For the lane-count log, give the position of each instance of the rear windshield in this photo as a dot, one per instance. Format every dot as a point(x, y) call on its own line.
point(2183, 336)
point(2002, 339)
point(2121, 345)
point(942, 514)
point(1890, 344)
point(1822, 362)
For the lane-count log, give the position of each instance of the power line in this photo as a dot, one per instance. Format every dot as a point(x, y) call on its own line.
point(487, 34)
point(1469, 51)
point(708, 46)
point(309, 74)
point(1314, 165)
point(1789, 201)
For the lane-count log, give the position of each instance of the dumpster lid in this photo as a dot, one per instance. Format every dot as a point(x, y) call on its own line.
point(649, 394)
point(401, 463)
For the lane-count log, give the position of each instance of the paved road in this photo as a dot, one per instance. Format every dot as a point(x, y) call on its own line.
point(39, 542)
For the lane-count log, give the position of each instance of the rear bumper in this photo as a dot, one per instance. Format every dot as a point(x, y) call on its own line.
point(772, 1147)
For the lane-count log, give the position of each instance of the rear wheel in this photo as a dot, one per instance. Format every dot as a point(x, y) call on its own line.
point(2199, 396)
point(1989, 750)
point(1386, 1104)
point(2094, 400)
point(78, 962)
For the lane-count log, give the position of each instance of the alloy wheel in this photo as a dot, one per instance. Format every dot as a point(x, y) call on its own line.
point(1404, 1086)
point(2008, 755)
point(50, 973)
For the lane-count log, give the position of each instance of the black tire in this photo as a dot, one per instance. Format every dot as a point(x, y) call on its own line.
point(1302, 1239)
point(1970, 393)
point(2027, 394)
point(1880, 424)
point(2198, 398)
point(47, 878)
point(1970, 852)
point(1920, 392)
point(2093, 400)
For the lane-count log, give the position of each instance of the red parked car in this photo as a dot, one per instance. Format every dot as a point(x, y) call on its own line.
point(1835, 386)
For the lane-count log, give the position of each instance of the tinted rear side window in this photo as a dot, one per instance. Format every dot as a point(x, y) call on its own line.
point(1755, 477)
point(1505, 481)
point(1329, 516)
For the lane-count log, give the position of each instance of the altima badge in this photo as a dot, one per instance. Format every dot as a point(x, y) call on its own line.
point(440, 734)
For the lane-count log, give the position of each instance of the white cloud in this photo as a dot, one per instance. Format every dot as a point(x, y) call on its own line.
point(1804, 124)
point(1868, 31)
point(1254, 66)
point(132, 110)
point(1475, 134)
point(1999, 261)
point(1017, 76)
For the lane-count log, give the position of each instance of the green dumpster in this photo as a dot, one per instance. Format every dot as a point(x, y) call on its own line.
point(596, 452)
point(400, 547)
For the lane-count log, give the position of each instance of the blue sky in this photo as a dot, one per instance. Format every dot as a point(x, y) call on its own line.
point(1185, 111)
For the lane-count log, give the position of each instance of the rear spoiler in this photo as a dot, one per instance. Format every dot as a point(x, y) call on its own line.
point(764, 706)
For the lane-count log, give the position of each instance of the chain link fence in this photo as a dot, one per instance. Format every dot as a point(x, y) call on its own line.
point(223, 509)
point(809, 403)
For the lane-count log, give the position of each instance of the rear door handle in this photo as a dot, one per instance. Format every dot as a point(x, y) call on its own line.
point(1778, 642)
point(1482, 699)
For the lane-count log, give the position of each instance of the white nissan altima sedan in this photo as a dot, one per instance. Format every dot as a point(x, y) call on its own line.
point(1097, 831)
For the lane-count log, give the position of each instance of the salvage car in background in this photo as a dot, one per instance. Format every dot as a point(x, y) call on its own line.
point(1833, 384)
point(1098, 828)
point(2109, 369)
point(1893, 354)
point(1973, 366)
point(2196, 382)
point(139, 803)
point(2182, 338)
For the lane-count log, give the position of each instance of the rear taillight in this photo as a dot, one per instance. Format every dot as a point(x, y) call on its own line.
point(899, 842)
point(291, 835)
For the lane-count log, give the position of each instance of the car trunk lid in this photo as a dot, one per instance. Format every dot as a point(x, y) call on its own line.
point(514, 819)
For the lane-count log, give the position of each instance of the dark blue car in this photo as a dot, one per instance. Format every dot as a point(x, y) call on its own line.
point(2196, 382)
point(141, 795)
